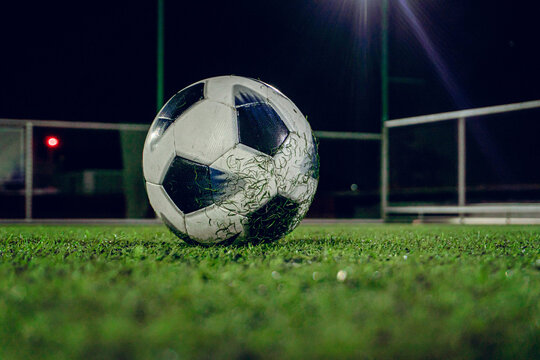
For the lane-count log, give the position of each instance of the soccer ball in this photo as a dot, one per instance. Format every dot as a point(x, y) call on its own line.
point(230, 160)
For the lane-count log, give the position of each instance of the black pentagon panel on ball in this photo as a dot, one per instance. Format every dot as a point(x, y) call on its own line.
point(272, 221)
point(159, 126)
point(188, 185)
point(182, 101)
point(245, 96)
point(259, 125)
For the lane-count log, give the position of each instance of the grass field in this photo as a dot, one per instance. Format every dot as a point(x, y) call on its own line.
point(339, 291)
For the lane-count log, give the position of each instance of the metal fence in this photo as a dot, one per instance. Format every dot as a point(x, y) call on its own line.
point(462, 207)
point(27, 127)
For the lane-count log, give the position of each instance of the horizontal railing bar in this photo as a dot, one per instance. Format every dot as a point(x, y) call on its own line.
point(74, 124)
point(342, 135)
point(468, 209)
point(87, 221)
point(503, 220)
point(452, 115)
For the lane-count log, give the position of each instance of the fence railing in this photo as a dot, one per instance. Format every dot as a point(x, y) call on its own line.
point(29, 124)
point(462, 208)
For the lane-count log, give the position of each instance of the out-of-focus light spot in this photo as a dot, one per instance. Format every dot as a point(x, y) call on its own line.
point(354, 187)
point(52, 141)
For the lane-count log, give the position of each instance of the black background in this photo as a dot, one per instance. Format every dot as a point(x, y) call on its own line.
point(96, 61)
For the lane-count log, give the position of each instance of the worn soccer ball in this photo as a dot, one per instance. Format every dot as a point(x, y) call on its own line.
point(230, 160)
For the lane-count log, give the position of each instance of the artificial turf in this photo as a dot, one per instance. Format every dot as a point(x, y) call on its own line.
point(339, 291)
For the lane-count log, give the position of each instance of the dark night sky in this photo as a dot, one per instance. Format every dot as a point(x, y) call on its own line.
point(96, 60)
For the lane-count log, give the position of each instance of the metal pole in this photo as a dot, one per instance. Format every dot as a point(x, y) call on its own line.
point(344, 135)
point(469, 113)
point(461, 164)
point(384, 172)
point(384, 60)
point(384, 108)
point(160, 52)
point(29, 171)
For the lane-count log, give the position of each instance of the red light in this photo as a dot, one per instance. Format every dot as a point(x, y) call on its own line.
point(52, 141)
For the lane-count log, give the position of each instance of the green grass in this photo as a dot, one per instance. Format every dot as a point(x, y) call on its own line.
point(136, 292)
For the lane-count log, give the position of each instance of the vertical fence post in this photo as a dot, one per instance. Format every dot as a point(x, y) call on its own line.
point(461, 166)
point(160, 53)
point(384, 171)
point(29, 170)
point(384, 108)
